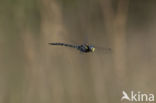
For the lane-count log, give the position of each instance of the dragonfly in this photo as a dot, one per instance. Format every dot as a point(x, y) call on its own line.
point(84, 48)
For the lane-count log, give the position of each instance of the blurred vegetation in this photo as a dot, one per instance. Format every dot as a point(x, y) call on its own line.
point(31, 71)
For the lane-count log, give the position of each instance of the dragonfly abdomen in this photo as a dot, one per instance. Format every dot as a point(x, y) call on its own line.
point(63, 44)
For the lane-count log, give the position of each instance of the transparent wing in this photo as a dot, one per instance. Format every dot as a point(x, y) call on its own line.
point(103, 49)
point(97, 48)
point(86, 40)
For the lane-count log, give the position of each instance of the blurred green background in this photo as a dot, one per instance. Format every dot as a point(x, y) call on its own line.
point(31, 71)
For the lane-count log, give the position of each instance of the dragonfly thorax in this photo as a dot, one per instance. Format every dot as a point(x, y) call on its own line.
point(86, 48)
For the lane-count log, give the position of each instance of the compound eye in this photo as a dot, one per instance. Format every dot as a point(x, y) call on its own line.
point(93, 49)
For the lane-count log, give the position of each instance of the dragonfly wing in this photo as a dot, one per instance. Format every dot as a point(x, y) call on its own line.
point(102, 49)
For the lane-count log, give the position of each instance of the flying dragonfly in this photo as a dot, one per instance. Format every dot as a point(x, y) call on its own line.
point(84, 48)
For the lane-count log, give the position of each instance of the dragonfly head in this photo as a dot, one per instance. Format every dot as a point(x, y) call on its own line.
point(92, 48)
